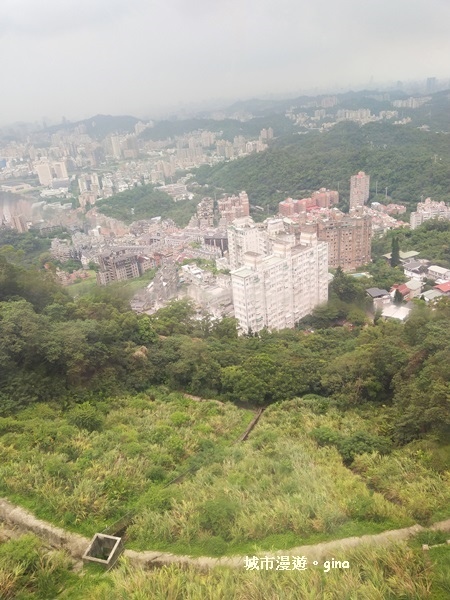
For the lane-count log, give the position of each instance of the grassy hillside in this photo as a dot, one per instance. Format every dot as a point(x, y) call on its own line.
point(29, 571)
point(304, 475)
point(400, 571)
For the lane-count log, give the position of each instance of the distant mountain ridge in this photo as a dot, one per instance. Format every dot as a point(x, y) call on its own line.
point(100, 126)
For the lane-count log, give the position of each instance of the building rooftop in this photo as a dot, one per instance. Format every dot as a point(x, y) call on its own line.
point(443, 287)
point(376, 292)
point(403, 255)
point(414, 284)
point(396, 312)
point(243, 272)
point(437, 269)
point(431, 295)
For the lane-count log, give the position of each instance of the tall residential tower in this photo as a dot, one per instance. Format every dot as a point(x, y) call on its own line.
point(359, 189)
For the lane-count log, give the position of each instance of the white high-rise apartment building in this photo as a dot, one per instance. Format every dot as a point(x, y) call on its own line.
point(359, 189)
point(116, 146)
point(277, 290)
point(244, 236)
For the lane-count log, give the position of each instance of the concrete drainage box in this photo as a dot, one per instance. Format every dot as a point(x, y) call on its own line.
point(104, 550)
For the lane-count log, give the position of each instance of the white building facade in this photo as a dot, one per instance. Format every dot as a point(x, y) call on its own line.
point(277, 290)
point(429, 210)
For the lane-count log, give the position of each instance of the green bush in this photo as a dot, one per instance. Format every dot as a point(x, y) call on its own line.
point(56, 466)
point(178, 419)
point(325, 436)
point(159, 500)
point(217, 516)
point(359, 443)
point(316, 404)
point(362, 442)
point(156, 473)
point(86, 416)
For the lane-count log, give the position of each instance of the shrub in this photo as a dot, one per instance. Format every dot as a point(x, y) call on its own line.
point(325, 436)
point(217, 516)
point(56, 466)
point(316, 404)
point(156, 473)
point(360, 443)
point(179, 419)
point(86, 416)
point(157, 499)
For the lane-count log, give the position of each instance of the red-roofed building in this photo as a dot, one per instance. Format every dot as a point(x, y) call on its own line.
point(403, 290)
point(444, 288)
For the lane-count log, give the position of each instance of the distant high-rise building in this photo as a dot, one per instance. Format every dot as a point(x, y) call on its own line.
point(117, 267)
point(243, 236)
point(431, 84)
point(60, 169)
point(44, 172)
point(116, 146)
point(205, 213)
point(18, 222)
point(359, 189)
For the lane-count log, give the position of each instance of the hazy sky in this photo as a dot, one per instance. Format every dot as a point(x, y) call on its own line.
point(81, 57)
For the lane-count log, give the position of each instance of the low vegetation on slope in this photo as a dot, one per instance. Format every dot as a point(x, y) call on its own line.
point(28, 571)
point(300, 477)
point(86, 467)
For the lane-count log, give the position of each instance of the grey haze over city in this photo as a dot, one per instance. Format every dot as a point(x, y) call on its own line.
point(76, 58)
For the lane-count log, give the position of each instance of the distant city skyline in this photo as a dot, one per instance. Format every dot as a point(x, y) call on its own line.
point(78, 58)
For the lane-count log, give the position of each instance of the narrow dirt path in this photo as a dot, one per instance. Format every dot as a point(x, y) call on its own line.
point(22, 520)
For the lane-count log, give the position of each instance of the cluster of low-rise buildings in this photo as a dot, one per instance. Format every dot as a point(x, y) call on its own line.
point(396, 302)
point(427, 210)
point(322, 113)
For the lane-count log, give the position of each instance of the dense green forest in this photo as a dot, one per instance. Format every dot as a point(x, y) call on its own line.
point(53, 346)
point(145, 202)
point(431, 240)
point(408, 162)
point(26, 247)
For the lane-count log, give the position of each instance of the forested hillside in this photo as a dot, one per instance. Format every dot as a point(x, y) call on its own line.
point(431, 240)
point(52, 347)
point(409, 162)
point(145, 202)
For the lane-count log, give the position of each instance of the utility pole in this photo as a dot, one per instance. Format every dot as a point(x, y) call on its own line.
point(386, 193)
